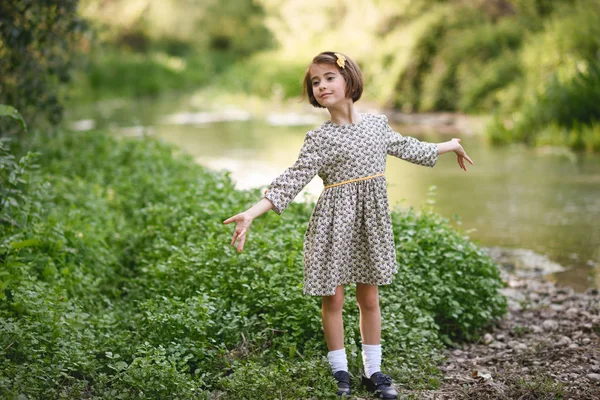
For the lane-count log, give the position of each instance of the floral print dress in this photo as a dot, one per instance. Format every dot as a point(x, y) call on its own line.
point(349, 237)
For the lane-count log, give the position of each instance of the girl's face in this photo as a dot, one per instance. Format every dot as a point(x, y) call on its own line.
point(328, 85)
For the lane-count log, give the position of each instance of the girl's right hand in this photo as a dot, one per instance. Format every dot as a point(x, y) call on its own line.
point(461, 154)
point(243, 222)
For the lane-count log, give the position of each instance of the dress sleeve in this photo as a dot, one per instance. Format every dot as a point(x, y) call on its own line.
point(286, 186)
point(409, 148)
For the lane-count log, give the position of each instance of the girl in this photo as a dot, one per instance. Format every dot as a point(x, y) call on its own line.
point(349, 237)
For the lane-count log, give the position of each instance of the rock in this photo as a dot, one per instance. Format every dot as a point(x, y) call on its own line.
point(547, 313)
point(550, 325)
point(498, 345)
point(573, 346)
point(513, 306)
point(560, 298)
point(536, 329)
point(528, 315)
point(557, 307)
point(593, 377)
point(513, 343)
point(461, 360)
point(586, 340)
point(513, 294)
point(533, 296)
point(523, 262)
point(487, 338)
point(572, 312)
point(520, 347)
point(500, 336)
point(564, 341)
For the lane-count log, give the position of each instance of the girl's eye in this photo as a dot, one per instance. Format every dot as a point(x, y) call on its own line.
point(330, 78)
point(315, 83)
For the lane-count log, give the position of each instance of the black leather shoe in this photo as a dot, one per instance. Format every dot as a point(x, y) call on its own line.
point(380, 384)
point(343, 382)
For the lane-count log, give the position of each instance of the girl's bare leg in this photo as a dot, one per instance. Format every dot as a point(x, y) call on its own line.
point(333, 325)
point(370, 315)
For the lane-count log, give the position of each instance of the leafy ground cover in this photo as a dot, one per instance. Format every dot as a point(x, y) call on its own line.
point(118, 281)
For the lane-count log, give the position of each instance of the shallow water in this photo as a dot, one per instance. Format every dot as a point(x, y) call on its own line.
point(515, 197)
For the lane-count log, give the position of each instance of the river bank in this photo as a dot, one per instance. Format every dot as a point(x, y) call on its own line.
point(546, 347)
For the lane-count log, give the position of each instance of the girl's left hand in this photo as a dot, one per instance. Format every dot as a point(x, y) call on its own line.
point(461, 154)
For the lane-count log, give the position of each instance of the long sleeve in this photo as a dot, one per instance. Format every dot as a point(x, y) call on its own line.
point(286, 186)
point(409, 148)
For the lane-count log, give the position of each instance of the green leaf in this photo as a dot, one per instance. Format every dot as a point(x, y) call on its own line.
point(24, 243)
point(11, 112)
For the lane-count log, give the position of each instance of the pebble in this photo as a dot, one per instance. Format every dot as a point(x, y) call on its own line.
point(520, 347)
point(528, 315)
point(500, 336)
point(534, 296)
point(536, 329)
point(593, 377)
point(572, 312)
point(557, 307)
point(498, 345)
point(487, 338)
point(513, 343)
point(573, 346)
point(564, 341)
point(550, 325)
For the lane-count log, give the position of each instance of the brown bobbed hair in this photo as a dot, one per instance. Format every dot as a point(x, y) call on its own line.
point(351, 73)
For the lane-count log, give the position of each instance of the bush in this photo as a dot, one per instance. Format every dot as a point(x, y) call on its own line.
point(120, 283)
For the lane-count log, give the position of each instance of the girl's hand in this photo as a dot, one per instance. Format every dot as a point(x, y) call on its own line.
point(243, 221)
point(461, 154)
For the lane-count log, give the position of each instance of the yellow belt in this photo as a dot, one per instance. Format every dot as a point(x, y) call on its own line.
point(352, 180)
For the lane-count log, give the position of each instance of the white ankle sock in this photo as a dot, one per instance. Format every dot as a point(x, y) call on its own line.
point(371, 354)
point(337, 360)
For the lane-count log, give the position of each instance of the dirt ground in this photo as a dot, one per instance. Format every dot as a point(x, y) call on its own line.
point(546, 347)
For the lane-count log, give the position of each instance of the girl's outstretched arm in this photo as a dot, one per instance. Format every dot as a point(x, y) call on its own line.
point(244, 220)
point(461, 154)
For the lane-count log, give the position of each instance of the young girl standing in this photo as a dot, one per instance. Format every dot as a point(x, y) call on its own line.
point(349, 237)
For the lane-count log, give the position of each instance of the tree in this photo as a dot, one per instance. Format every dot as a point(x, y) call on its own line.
point(37, 46)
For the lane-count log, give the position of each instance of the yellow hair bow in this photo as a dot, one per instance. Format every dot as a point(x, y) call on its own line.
point(341, 60)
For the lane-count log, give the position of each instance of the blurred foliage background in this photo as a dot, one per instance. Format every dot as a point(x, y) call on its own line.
point(532, 64)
